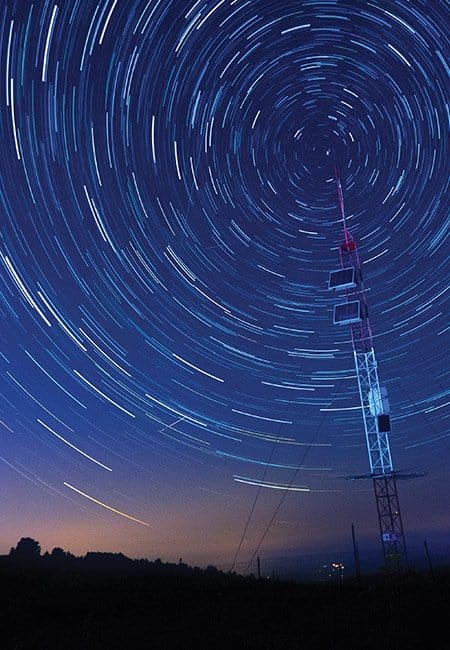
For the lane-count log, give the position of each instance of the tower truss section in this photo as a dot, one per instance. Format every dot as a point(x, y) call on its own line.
point(353, 311)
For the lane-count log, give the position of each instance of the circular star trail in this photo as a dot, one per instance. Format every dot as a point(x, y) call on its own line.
point(169, 218)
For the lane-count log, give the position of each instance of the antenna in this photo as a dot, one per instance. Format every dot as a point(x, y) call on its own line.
point(347, 235)
point(373, 396)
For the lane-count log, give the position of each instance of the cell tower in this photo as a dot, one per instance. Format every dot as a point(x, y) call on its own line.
point(373, 396)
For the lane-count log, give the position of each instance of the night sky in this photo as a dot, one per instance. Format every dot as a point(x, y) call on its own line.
point(169, 218)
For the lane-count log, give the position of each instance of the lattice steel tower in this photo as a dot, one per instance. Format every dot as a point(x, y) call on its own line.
point(373, 396)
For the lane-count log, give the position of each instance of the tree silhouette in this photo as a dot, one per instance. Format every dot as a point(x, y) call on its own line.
point(58, 554)
point(26, 549)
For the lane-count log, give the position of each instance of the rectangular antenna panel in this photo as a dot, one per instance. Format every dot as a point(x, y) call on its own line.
point(342, 279)
point(378, 401)
point(383, 423)
point(347, 313)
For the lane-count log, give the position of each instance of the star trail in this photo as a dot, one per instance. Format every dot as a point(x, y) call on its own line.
point(168, 220)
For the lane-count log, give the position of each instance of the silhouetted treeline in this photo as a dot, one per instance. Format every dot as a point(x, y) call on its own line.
point(26, 556)
point(106, 600)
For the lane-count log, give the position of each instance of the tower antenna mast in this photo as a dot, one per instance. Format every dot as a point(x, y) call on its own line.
point(347, 235)
point(373, 397)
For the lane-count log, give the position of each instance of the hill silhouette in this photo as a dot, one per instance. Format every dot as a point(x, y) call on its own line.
point(106, 600)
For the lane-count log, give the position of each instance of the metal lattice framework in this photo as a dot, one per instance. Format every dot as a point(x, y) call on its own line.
point(373, 397)
point(390, 520)
point(377, 442)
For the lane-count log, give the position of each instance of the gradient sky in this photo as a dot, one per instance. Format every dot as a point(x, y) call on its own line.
point(168, 220)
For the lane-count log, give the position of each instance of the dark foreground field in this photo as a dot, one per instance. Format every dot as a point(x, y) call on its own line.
point(110, 602)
